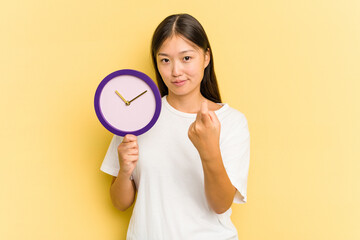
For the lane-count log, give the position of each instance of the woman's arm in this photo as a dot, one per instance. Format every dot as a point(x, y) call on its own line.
point(204, 133)
point(122, 192)
point(218, 189)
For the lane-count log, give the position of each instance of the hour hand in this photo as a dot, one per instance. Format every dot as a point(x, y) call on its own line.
point(137, 96)
point(122, 98)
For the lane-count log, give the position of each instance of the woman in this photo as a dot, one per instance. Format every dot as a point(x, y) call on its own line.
point(193, 164)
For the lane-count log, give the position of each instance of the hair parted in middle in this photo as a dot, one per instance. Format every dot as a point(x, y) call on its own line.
point(188, 27)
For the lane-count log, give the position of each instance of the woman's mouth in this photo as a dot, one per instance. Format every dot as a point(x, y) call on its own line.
point(179, 83)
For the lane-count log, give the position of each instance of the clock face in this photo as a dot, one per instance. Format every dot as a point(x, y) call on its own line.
point(127, 102)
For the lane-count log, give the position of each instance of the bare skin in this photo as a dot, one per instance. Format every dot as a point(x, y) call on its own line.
point(122, 190)
point(204, 133)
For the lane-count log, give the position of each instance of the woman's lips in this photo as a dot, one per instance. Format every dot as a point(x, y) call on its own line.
point(179, 83)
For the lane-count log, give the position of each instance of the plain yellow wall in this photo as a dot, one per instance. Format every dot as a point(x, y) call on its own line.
point(292, 67)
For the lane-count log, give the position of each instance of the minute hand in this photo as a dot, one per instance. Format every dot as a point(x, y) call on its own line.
point(137, 96)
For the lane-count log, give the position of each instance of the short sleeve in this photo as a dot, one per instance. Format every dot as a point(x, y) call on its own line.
point(235, 152)
point(110, 164)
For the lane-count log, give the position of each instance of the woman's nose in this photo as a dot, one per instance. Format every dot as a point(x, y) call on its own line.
point(176, 69)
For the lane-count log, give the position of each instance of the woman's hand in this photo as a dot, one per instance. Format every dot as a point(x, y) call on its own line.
point(204, 133)
point(128, 152)
point(122, 190)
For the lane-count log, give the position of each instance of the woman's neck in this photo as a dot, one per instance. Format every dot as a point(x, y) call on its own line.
point(187, 104)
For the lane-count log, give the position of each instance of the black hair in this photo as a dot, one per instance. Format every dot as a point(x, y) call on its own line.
point(186, 26)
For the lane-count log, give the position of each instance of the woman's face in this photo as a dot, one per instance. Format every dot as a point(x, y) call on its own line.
point(181, 65)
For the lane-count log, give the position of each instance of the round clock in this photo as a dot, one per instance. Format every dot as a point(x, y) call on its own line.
point(127, 102)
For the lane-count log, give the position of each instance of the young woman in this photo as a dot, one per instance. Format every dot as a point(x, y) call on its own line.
point(193, 164)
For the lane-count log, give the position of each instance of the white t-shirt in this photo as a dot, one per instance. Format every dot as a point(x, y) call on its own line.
point(171, 201)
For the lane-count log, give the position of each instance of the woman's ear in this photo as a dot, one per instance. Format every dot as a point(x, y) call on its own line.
point(207, 58)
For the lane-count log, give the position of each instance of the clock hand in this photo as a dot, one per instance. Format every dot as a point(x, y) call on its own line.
point(137, 96)
point(126, 102)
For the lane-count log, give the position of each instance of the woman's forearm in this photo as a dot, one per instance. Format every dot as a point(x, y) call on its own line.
point(218, 188)
point(122, 192)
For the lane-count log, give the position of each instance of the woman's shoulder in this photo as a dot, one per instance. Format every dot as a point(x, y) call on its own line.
point(234, 125)
point(231, 115)
point(214, 106)
point(227, 113)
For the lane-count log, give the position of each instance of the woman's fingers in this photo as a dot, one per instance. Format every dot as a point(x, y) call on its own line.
point(129, 142)
point(129, 138)
point(204, 116)
point(131, 158)
point(202, 113)
point(214, 118)
point(130, 145)
point(204, 107)
point(133, 151)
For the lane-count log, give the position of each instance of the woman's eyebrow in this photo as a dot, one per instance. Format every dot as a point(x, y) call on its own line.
point(182, 52)
point(187, 51)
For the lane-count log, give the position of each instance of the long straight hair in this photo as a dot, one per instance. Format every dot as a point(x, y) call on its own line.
point(186, 26)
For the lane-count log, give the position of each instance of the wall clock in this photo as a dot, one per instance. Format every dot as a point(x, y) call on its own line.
point(127, 102)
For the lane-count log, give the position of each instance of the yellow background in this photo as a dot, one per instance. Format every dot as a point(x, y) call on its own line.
point(292, 67)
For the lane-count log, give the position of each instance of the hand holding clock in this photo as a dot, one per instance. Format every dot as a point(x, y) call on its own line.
point(204, 133)
point(128, 152)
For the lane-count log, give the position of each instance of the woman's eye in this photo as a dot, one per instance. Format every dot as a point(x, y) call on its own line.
point(164, 60)
point(187, 58)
